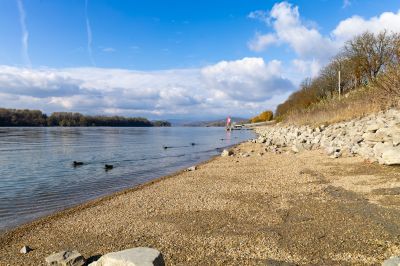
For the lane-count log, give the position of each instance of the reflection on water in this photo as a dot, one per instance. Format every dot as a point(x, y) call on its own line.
point(37, 176)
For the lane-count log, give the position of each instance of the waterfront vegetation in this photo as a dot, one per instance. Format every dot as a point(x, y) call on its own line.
point(369, 82)
point(263, 117)
point(36, 118)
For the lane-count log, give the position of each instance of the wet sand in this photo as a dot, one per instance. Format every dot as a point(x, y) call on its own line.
point(259, 210)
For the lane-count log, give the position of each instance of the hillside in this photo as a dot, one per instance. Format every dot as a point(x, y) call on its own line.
point(369, 71)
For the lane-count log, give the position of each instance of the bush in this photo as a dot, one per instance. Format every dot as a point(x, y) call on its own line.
point(263, 117)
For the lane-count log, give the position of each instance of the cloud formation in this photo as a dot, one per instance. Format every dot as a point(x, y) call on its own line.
point(25, 33)
point(312, 48)
point(242, 87)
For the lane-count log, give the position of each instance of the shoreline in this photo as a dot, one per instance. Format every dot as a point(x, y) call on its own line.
point(82, 206)
point(255, 209)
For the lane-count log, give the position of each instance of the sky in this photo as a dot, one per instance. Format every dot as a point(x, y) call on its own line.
point(173, 59)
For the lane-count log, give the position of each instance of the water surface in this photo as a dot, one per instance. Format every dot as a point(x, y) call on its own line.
point(37, 177)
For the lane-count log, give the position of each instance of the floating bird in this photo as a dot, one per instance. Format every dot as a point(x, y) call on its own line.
point(166, 147)
point(75, 163)
point(193, 143)
point(108, 166)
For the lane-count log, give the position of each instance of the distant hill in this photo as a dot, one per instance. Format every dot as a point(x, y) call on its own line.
point(216, 123)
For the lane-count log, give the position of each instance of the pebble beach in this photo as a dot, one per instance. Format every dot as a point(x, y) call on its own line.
point(250, 208)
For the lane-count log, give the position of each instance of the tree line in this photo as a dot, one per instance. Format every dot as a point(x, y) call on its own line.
point(35, 118)
point(367, 59)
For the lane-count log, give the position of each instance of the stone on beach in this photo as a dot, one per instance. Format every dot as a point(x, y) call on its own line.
point(226, 153)
point(393, 261)
point(66, 258)
point(192, 168)
point(140, 256)
point(25, 249)
point(391, 156)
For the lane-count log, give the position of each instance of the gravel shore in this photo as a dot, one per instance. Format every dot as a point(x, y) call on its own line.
point(262, 209)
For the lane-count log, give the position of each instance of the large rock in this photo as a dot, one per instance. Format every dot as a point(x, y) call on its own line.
point(297, 147)
point(391, 156)
point(374, 137)
point(393, 261)
point(380, 148)
point(66, 258)
point(140, 256)
point(226, 153)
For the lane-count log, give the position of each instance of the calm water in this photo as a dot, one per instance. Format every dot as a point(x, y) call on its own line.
point(37, 176)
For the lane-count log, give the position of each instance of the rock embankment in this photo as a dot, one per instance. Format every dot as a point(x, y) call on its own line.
point(375, 138)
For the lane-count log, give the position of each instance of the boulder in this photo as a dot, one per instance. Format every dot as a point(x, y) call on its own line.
point(372, 128)
point(393, 261)
point(336, 154)
point(297, 147)
point(66, 258)
point(226, 153)
point(396, 139)
point(374, 137)
point(140, 256)
point(391, 156)
point(380, 147)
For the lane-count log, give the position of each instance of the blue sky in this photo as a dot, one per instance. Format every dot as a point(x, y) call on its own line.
point(165, 59)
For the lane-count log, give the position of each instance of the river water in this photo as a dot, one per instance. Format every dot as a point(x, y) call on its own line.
point(37, 177)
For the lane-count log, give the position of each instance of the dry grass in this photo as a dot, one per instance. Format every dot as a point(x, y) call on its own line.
point(355, 104)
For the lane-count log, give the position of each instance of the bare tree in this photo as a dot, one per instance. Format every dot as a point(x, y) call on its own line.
point(370, 54)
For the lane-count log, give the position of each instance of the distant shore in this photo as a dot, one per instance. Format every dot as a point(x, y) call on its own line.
point(258, 208)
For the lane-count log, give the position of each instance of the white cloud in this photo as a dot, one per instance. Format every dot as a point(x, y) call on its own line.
point(355, 25)
point(239, 87)
point(249, 79)
point(25, 33)
point(313, 49)
point(262, 41)
point(259, 15)
point(307, 42)
point(308, 68)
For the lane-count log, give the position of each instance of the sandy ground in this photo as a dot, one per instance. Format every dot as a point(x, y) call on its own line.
point(259, 210)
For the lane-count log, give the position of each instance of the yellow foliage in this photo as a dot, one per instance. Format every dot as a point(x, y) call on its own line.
point(263, 117)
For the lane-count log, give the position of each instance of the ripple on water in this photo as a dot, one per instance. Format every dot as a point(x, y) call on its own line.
point(37, 176)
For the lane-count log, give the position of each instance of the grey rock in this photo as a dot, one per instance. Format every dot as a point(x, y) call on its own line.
point(372, 128)
point(330, 150)
point(297, 147)
point(66, 258)
point(374, 137)
point(25, 249)
point(192, 168)
point(140, 256)
point(391, 156)
point(393, 261)
point(380, 147)
point(396, 139)
point(336, 154)
point(226, 153)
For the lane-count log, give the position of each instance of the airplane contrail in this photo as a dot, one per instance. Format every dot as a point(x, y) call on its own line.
point(89, 34)
point(25, 33)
